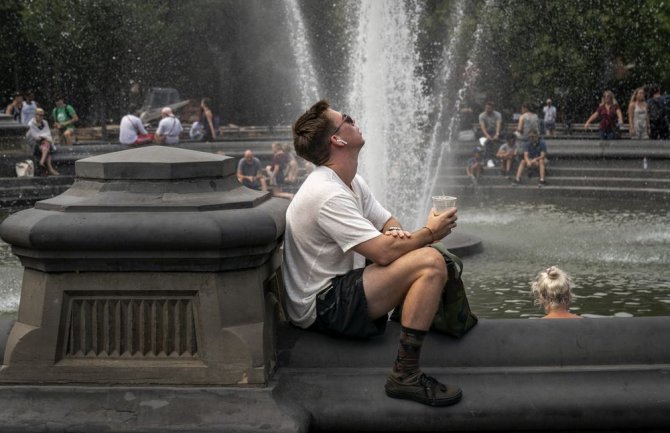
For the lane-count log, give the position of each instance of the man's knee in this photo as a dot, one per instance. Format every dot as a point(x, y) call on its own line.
point(434, 263)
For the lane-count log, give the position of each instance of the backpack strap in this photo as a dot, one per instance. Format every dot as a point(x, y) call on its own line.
point(451, 256)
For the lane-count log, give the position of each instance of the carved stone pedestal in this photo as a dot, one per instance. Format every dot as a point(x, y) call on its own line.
point(155, 267)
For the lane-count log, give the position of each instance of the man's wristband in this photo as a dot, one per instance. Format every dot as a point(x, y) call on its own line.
point(392, 228)
point(432, 236)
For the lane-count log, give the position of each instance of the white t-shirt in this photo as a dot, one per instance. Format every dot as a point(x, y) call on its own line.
point(324, 221)
point(28, 111)
point(549, 113)
point(130, 127)
point(170, 127)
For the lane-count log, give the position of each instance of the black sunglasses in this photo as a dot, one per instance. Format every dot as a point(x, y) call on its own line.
point(345, 119)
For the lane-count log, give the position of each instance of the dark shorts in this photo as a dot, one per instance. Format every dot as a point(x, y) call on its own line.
point(342, 310)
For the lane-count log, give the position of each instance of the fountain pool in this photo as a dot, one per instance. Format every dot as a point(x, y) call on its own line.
point(618, 254)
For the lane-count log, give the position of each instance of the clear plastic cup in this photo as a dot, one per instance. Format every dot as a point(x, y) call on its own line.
point(442, 203)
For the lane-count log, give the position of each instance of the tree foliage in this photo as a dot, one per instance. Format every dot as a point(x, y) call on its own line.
point(238, 52)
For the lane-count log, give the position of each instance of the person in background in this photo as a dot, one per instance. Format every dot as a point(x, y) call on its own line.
point(508, 153)
point(14, 107)
point(533, 158)
point(549, 119)
point(250, 172)
point(490, 124)
point(64, 118)
point(208, 120)
point(610, 116)
point(659, 129)
point(473, 166)
point(169, 128)
point(528, 121)
point(277, 171)
point(28, 108)
point(333, 225)
point(292, 169)
point(42, 142)
point(552, 290)
point(638, 118)
point(132, 131)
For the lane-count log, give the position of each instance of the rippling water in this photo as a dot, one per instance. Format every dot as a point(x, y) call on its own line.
point(617, 253)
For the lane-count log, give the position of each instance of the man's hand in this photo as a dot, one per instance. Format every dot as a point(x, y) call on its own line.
point(401, 234)
point(441, 225)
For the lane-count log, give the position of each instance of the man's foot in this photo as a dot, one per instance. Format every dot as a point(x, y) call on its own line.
point(516, 182)
point(425, 389)
point(542, 183)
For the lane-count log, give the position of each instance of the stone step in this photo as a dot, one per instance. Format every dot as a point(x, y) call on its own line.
point(564, 181)
point(576, 171)
point(531, 190)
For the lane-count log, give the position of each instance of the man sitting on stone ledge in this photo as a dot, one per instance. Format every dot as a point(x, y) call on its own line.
point(333, 225)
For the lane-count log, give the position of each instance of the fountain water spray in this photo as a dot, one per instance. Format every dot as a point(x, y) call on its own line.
point(451, 113)
point(308, 85)
point(387, 98)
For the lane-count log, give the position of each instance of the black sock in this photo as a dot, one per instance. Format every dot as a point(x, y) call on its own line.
point(406, 366)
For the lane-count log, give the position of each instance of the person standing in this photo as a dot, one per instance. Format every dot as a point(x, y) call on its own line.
point(28, 107)
point(610, 116)
point(333, 225)
point(549, 119)
point(169, 128)
point(638, 119)
point(208, 120)
point(64, 119)
point(658, 116)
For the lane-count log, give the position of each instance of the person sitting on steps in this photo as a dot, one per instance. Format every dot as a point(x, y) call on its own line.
point(509, 153)
point(40, 138)
point(533, 158)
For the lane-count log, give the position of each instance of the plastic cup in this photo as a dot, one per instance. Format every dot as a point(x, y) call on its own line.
point(442, 203)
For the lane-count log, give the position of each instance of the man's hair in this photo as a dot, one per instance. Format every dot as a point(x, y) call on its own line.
point(311, 134)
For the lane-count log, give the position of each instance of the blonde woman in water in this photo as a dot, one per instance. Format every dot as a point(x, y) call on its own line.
point(552, 290)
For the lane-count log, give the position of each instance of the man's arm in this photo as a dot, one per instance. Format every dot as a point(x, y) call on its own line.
point(519, 125)
point(482, 126)
point(383, 250)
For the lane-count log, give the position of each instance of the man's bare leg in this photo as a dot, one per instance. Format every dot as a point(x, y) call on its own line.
point(417, 280)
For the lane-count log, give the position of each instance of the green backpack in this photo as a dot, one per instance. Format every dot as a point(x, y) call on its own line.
point(453, 316)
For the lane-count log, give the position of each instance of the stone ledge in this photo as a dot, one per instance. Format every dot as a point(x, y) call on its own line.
point(516, 375)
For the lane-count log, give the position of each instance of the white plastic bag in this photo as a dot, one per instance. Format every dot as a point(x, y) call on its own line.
point(25, 168)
